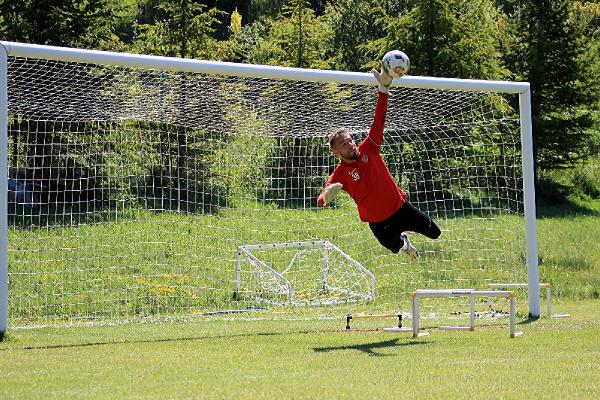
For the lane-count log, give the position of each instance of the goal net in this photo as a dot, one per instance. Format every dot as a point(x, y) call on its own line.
point(152, 187)
point(301, 273)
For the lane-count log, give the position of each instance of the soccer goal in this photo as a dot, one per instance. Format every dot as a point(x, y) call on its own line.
point(301, 273)
point(149, 173)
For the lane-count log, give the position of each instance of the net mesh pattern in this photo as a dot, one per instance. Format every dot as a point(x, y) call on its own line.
point(131, 190)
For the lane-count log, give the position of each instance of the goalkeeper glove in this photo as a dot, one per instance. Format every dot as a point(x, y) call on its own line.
point(330, 192)
point(384, 79)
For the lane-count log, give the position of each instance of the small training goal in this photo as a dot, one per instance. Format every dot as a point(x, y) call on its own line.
point(301, 273)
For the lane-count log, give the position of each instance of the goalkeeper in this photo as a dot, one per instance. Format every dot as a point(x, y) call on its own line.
point(362, 173)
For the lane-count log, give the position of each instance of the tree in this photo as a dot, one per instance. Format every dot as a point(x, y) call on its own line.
point(546, 51)
point(297, 37)
point(354, 24)
point(453, 38)
point(586, 16)
point(228, 7)
point(298, 13)
point(177, 28)
point(272, 8)
point(71, 23)
point(61, 22)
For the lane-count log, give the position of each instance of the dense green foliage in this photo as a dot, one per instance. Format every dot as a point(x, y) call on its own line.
point(553, 44)
point(449, 39)
point(547, 56)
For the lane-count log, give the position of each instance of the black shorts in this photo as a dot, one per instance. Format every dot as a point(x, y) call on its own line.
point(407, 219)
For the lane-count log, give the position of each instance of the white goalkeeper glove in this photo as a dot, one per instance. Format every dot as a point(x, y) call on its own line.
point(331, 191)
point(384, 79)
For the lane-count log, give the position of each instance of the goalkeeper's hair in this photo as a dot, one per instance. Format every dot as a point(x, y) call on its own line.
point(335, 134)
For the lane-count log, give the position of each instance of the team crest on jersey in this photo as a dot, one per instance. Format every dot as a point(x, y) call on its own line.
point(354, 174)
point(364, 158)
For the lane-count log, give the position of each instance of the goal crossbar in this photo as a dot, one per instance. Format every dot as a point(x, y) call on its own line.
point(258, 71)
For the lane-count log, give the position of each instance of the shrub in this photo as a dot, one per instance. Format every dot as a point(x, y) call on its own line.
point(585, 179)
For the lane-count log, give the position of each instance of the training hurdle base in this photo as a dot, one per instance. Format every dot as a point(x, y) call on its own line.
point(473, 295)
point(399, 328)
point(546, 286)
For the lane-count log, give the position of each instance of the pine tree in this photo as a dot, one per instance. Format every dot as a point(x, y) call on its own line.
point(545, 53)
point(177, 28)
point(60, 22)
point(297, 37)
point(355, 23)
point(449, 38)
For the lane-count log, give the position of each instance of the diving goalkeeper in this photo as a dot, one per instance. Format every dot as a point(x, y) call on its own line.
point(362, 173)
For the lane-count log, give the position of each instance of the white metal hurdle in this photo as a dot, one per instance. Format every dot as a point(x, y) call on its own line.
point(472, 294)
point(546, 286)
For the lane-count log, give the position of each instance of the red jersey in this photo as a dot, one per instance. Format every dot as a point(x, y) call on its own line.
point(368, 180)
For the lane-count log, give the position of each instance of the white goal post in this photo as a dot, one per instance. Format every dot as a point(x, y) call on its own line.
point(164, 274)
point(3, 191)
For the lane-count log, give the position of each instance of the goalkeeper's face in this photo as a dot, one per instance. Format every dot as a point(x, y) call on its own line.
point(345, 148)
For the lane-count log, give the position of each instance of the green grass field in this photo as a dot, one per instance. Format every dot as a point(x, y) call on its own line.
point(165, 263)
point(265, 358)
point(556, 358)
point(157, 263)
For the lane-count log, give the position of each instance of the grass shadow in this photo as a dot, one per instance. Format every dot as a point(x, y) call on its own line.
point(554, 200)
point(189, 338)
point(369, 348)
point(566, 208)
point(530, 319)
point(153, 340)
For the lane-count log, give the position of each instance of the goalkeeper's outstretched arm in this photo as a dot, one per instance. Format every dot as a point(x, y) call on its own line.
point(343, 146)
point(328, 194)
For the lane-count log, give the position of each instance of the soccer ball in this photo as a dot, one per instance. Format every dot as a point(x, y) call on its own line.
point(396, 63)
